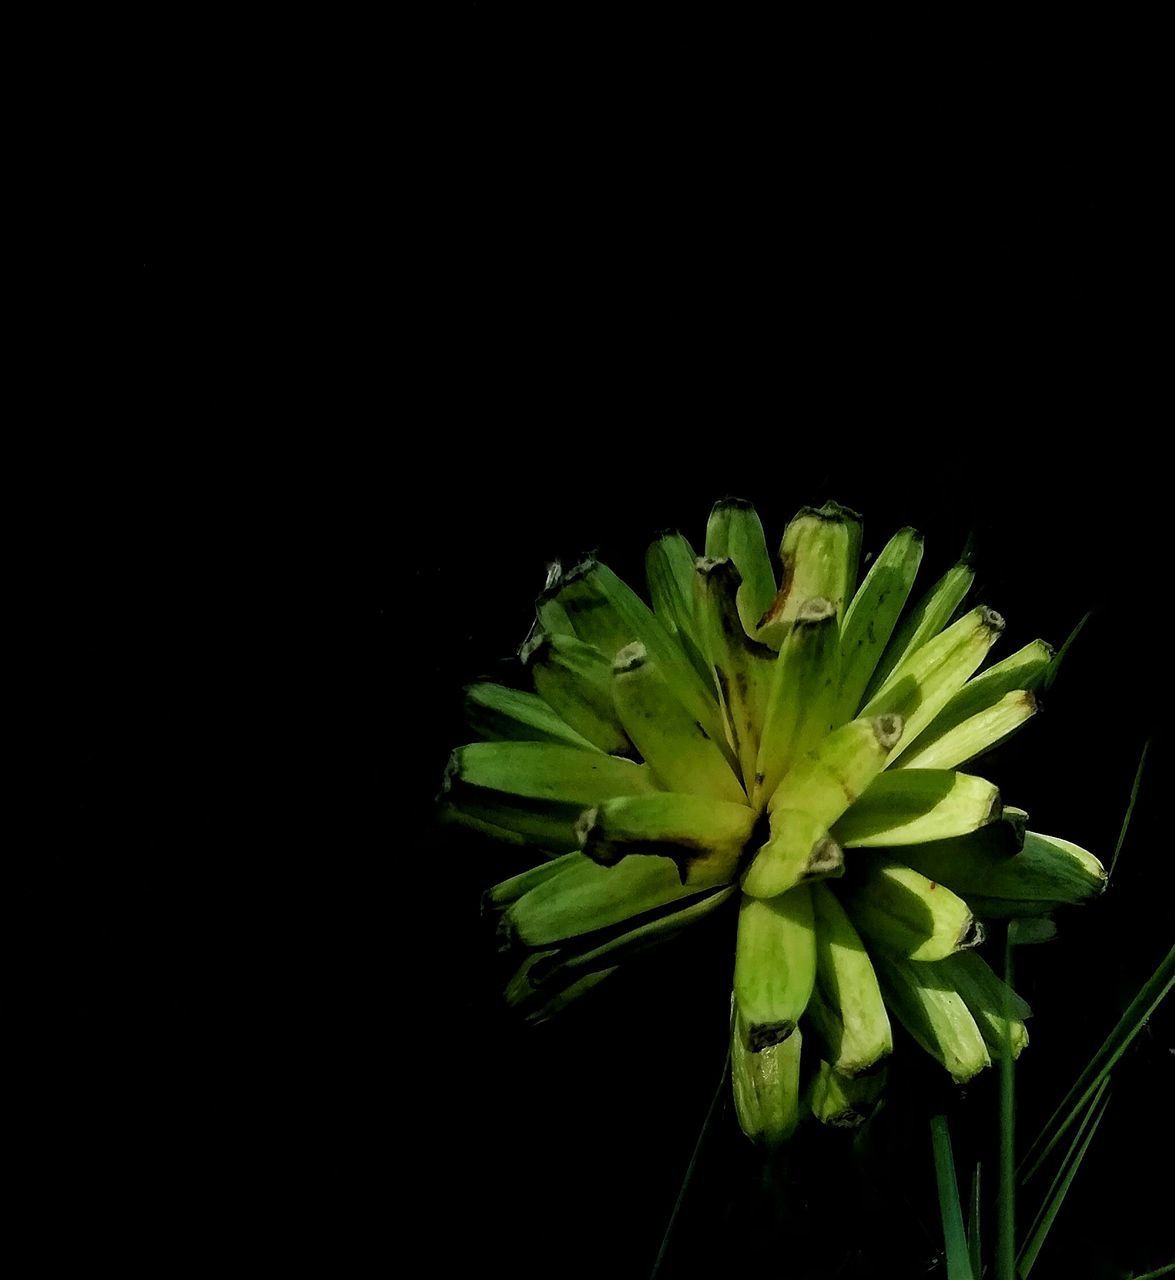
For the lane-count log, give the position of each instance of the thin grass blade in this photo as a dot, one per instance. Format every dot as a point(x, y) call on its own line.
point(974, 1235)
point(958, 1257)
point(1052, 1207)
point(1005, 1261)
point(1146, 746)
point(1050, 1198)
point(1055, 665)
point(1152, 994)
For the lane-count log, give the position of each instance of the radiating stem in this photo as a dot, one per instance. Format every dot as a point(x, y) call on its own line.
point(1006, 1230)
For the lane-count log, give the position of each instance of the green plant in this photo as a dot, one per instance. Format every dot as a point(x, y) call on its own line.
point(791, 745)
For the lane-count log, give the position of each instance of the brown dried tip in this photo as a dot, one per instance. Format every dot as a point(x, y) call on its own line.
point(452, 769)
point(994, 621)
point(506, 935)
point(972, 935)
point(846, 1119)
point(888, 730)
point(533, 645)
point(815, 610)
point(630, 657)
point(579, 570)
point(719, 567)
point(826, 858)
point(831, 511)
point(583, 826)
point(1016, 822)
point(767, 1034)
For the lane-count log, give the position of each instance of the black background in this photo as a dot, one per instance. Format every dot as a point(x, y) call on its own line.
point(583, 1129)
point(405, 314)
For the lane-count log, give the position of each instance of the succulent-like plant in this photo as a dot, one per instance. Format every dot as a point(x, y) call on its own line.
point(797, 743)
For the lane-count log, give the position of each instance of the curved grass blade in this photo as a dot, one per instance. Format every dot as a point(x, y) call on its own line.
point(1154, 1275)
point(1052, 1206)
point(958, 1255)
point(1152, 994)
point(1146, 746)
